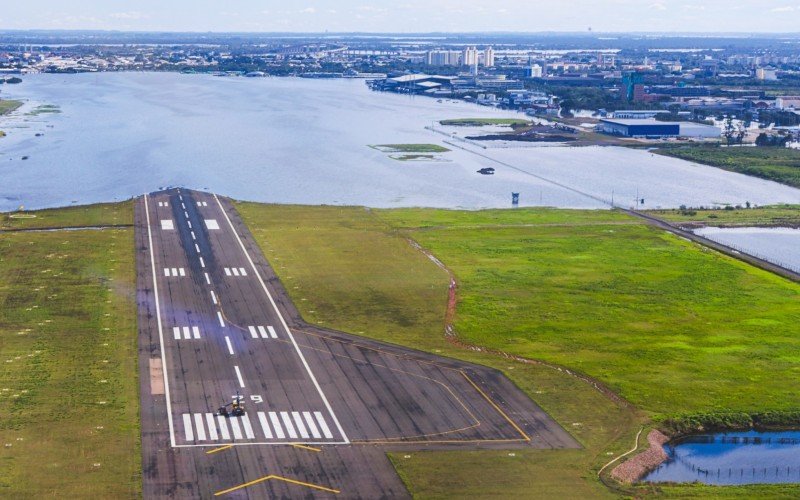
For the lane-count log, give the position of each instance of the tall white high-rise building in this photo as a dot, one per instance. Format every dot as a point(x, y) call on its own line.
point(488, 57)
point(442, 58)
point(469, 57)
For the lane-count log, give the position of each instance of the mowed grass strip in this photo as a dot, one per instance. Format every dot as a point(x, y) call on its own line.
point(775, 164)
point(100, 214)
point(669, 325)
point(68, 384)
point(776, 215)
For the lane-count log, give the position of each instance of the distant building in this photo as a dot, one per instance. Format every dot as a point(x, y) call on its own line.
point(443, 58)
point(534, 71)
point(488, 57)
point(469, 56)
point(629, 82)
point(766, 74)
point(655, 129)
point(788, 102)
point(637, 113)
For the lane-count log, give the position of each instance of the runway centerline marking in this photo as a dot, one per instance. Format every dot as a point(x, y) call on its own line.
point(221, 321)
point(208, 278)
point(285, 326)
point(202, 263)
point(239, 376)
point(213, 297)
point(230, 347)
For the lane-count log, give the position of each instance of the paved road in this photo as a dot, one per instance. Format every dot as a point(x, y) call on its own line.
point(322, 407)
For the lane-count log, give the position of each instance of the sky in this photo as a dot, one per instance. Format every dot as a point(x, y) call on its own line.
point(745, 16)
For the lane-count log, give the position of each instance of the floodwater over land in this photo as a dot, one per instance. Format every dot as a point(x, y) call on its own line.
point(291, 140)
point(733, 458)
point(774, 244)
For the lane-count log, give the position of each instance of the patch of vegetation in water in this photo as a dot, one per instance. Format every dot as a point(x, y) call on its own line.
point(410, 148)
point(480, 122)
point(43, 109)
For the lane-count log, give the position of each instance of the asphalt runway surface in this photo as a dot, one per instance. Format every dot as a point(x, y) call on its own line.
point(322, 408)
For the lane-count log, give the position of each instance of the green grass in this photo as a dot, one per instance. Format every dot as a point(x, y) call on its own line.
point(479, 122)
point(68, 384)
point(100, 214)
point(669, 325)
point(410, 148)
point(8, 105)
point(44, 109)
point(777, 215)
point(776, 164)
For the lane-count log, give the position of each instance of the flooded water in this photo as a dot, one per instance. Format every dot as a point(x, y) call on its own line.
point(733, 458)
point(289, 140)
point(778, 245)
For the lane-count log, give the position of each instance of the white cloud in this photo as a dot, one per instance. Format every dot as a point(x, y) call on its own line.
point(786, 8)
point(309, 10)
point(658, 6)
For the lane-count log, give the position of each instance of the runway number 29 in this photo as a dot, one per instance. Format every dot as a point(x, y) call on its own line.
point(256, 398)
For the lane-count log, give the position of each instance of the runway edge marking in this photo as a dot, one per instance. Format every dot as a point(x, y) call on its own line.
point(158, 322)
point(283, 322)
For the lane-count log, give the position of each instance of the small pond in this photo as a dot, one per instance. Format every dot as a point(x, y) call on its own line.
point(732, 458)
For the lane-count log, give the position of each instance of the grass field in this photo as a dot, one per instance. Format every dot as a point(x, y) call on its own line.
point(8, 105)
point(669, 325)
point(776, 164)
point(78, 216)
point(410, 148)
point(478, 122)
point(777, 215)
point(69, 384)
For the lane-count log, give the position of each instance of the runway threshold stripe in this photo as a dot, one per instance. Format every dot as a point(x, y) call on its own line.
point(201, 430)
point(253, 332)
point(276, 424)
point(248, 429)
point(187, 427)
point(230, 347)
point(174, 271)
point(186, 334)
point(324, 426)
point(212, 427)
point(263, 332)
point(239, 376)
point(166, 271)
point(196, 332)
point(237, 432)
point(227, 271)
point(219, 317)
point(262, 419)
point(223, 427)
point(181, 271)
point(298, 421)
point(272, 332)
point(287, 422)
point(311, 425)
point(176, 331)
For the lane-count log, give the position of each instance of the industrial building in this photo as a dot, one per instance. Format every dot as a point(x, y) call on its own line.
point(655, 129)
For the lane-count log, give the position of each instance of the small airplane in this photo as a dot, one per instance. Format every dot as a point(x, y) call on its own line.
point(236, 407)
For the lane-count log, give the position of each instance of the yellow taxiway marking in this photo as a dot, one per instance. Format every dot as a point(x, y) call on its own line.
point(221, 448)
point(501, 412)
point(310, 448)
point(277, 478)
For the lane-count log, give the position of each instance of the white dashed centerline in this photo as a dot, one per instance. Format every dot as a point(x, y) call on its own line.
point(213, 297)
point(239, 376)
point(208, 278)
point(221, 321)
point(230, 347)
point(202, 262)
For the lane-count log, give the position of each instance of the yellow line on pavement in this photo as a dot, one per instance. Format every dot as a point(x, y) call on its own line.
point(278, 478)
point(311, 448)
point(221, 448)
point(501, 412)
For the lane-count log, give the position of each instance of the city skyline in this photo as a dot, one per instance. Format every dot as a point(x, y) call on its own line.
point(411, 16)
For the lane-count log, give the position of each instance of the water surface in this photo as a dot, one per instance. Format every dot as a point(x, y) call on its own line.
point(291, 140)
point(733, 458)
point(778, 245)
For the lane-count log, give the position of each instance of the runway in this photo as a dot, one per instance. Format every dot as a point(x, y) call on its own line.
point(322, 407)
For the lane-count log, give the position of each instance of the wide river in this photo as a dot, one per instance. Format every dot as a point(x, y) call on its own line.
point(289, 140)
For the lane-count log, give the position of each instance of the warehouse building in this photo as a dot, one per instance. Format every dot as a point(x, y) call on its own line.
point(655, 129)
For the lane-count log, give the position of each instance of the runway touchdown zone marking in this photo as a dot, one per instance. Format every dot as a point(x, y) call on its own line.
point(167, 225)
point(174, 271)
point(256, 331)
point(185, 333)
point(235, 271)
